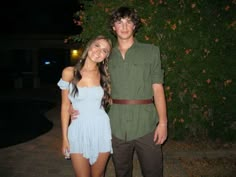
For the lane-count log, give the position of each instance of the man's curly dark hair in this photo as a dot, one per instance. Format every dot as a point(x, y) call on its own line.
point(125, 12)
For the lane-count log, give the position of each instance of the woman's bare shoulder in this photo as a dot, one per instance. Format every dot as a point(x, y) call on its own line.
point(68, 73)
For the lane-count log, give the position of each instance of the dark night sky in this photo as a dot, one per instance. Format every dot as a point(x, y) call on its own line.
point(38, 16)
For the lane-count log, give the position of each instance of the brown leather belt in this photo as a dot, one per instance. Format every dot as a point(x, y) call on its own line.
point(120, 101)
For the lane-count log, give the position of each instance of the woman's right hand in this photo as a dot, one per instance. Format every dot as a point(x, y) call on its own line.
point(66, 149)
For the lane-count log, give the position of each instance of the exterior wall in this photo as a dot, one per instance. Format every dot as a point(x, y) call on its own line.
point(21, 59)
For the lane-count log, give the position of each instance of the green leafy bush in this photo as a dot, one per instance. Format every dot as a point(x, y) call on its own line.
point(197, 43)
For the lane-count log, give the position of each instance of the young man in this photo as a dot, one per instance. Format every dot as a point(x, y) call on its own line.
point(137, 123)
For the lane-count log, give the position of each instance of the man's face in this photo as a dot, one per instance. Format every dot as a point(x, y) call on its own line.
point(124, 28)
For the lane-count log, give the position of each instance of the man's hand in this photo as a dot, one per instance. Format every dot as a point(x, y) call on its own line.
point(73, 113)
point(160, 134)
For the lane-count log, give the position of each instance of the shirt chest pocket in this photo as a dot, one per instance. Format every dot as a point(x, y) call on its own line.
point(140, 70)
point(130, 72)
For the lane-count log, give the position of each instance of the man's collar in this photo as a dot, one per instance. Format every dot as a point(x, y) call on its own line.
point(135, 42)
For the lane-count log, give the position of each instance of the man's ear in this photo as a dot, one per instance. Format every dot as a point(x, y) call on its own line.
point(113, 28)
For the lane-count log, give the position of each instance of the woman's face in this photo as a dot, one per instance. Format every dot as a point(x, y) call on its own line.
point(99, 50)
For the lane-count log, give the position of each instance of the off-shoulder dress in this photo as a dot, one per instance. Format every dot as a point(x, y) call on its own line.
point(90, 133)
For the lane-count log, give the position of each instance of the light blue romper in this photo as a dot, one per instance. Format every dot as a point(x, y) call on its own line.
point(90, 132)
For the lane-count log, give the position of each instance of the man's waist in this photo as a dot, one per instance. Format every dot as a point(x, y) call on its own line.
point(132, 101)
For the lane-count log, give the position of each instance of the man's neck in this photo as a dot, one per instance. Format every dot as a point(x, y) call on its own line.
point(125, 44)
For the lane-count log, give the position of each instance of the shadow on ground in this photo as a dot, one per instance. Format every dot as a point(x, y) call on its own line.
point(23, 120)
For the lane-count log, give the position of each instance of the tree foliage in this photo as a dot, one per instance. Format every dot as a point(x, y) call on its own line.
point(197, 43)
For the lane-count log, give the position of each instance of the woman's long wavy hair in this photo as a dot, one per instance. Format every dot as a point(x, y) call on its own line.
point(103, 69)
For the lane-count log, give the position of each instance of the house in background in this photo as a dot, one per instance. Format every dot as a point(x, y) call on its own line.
point(33, 60)
point(32, 48)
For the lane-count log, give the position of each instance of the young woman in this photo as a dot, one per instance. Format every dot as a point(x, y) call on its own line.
point(86, 86)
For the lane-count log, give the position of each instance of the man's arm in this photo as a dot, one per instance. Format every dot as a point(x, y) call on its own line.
point(160, 135)
point(73, 113)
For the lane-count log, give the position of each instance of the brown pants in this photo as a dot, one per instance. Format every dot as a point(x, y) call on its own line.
point(149, 156)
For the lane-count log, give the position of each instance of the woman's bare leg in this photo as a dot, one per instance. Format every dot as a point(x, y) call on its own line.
point(80, 165)
point(97, 169)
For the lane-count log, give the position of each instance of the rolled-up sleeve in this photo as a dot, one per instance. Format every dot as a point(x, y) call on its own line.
point(157, 71)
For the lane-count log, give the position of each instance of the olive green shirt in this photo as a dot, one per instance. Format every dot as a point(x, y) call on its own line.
point(132, 79)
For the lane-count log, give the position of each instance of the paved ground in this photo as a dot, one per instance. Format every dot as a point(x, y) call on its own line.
point(41, 156)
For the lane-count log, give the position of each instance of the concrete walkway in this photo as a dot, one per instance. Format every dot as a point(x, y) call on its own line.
point(41, 156)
